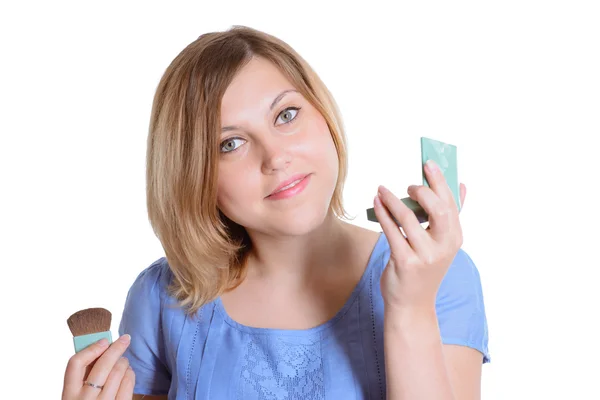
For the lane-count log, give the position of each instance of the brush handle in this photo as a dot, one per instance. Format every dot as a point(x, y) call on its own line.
point(83, 341)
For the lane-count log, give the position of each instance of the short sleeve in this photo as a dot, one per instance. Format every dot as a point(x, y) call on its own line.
point(142, 320)
point(460, 306)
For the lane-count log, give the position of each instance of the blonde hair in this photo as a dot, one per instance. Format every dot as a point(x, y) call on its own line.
point(205, 250)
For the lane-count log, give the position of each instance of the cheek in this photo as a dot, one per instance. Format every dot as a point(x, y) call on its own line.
point(222, 193)
point(322, 145)
point(226, 190)
point(234, 185)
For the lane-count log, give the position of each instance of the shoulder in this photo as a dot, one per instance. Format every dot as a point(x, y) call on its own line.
point(152, 280)
point(462, 282)
point(462, 274)
point(460, 305)
point(148, 292)
point(149, 353)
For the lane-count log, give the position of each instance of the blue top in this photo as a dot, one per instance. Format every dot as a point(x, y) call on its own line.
point(214, 357)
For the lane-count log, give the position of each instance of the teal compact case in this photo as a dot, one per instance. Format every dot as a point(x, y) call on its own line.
point(445, 156)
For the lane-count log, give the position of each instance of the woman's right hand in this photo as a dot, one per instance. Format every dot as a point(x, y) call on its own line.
point(101, 365)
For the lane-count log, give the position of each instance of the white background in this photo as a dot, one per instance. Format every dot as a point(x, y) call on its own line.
point(514, 84)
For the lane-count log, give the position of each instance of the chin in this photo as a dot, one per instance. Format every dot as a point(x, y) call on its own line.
point(296, 221)
point(301, 222)
point(302, 219)
point(292, 217)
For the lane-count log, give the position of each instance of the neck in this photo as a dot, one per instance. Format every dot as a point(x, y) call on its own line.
point(298, 258)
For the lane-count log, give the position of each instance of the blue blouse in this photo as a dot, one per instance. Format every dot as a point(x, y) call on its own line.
point(214, 357)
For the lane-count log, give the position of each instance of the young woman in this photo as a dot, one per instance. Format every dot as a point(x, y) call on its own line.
point(266, 292)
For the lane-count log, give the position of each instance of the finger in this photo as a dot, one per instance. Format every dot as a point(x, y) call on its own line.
point(127, 385)
point(113, 382)
point(89, 368)
point(438, 182)
point(463, 194)
point(76, 367)
point(392, 232)
point(415, 234)
point(440, 213)
point(99, 374)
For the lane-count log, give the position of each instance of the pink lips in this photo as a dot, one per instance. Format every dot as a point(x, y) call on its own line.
point(291, 191)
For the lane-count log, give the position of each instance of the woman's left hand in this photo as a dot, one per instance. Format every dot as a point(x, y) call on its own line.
point(419, 261)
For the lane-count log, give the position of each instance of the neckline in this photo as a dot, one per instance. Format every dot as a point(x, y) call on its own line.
point(316, 329)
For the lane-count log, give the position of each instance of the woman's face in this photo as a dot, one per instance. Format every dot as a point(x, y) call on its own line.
point(271, 135)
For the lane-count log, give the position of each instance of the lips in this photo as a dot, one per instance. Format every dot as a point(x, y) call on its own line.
point(288, 183)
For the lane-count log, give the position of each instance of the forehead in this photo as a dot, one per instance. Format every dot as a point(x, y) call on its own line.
point(253, 89)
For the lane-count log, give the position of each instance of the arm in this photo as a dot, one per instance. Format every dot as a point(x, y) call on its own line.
point(414, 360)
point(432, 297)
point(464, 368)
point(419, 366)
point(142, 319)
point(440, 349)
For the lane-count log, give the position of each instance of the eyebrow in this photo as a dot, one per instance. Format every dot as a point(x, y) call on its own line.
point(273, 104)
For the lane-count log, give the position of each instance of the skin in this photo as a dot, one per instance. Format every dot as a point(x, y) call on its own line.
point(103, 365)
point(418, 365)
point(259, 151)
point(284, 276)
point(267, 147)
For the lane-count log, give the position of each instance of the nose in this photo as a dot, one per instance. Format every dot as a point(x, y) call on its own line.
point(276, 156)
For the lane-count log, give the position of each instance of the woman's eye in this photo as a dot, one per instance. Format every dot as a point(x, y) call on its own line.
point(229, 145)
point(288, 114)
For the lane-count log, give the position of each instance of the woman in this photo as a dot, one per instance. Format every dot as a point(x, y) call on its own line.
point(265, 291)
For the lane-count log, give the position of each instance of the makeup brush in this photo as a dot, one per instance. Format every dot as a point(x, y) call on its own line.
point(89, 326)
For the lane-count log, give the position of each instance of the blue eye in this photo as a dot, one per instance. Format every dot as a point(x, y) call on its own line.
point(289, 114)
point(227, 146)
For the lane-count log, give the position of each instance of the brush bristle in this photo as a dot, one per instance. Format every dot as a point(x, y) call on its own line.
point(90, 320)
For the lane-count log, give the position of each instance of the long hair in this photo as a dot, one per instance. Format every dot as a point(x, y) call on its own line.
point(205, 250)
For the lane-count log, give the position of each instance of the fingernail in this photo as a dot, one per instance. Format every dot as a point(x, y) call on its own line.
point(431, 165)
point(102, 342)
point(125, 339)
point(381, 190)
